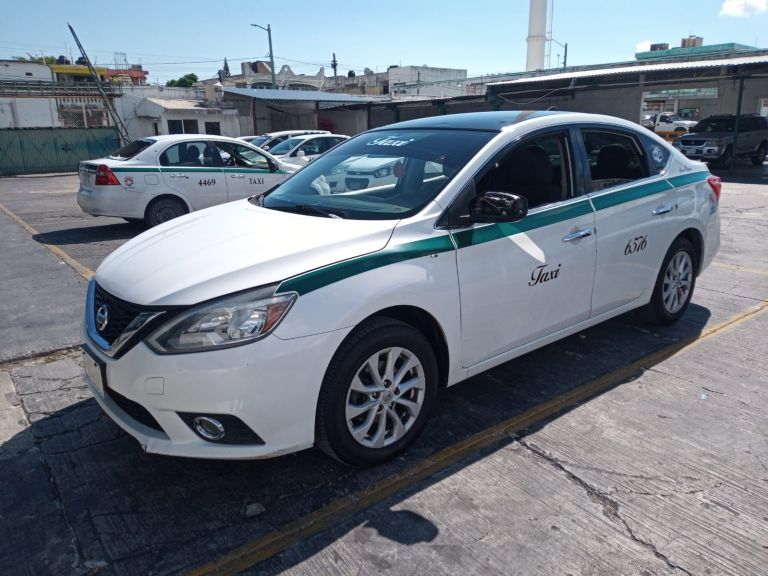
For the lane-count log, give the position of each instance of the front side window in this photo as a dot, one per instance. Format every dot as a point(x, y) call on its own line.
point(537, 168)
point(189, 154)
point(238, 155)
point(614, 159)
point(382, 175)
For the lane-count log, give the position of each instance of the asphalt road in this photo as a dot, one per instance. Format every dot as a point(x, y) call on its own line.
point(626, 449)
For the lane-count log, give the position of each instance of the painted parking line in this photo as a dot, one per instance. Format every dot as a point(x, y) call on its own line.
point(84, 271)
point(344, 508)
point(726, 266)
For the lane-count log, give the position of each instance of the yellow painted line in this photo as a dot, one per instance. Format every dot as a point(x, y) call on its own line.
point(737, 268)
point(344, 508)
point(84, 271)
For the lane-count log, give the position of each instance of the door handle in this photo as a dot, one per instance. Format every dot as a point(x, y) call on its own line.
point(182, 176)
point(583, 233)
point(237, 175)
point(663, 209)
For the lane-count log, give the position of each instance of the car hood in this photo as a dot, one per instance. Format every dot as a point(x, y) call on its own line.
point(231, 247)
point(706, 135)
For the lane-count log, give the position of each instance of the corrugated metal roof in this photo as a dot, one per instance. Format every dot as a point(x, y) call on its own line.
point(640, 69)
point(299, 95)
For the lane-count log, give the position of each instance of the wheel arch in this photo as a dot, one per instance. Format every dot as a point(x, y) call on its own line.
point(168, 196)
point(428, 325)
point(695, 237)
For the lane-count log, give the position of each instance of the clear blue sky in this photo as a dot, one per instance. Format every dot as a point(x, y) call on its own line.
point(172, 37)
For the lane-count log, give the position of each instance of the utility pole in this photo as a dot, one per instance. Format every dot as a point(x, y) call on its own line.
point(121, 130)
point(334, 65)
point(271, 54)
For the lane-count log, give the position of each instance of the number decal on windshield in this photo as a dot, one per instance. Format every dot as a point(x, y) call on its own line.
point(637, 244)
point(207, 182)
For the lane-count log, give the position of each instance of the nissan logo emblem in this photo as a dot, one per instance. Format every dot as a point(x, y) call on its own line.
point(102, 317)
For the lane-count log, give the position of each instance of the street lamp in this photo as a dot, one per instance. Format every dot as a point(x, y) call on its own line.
point(271, 55)
point(565, 56)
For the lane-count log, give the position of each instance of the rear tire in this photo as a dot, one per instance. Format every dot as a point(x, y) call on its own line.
point(377, 393)
point(759, 156)
point(163, 210)
point(674, 285)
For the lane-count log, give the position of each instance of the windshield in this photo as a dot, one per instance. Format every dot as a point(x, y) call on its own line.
point(258, 140)
point(286, 146)
point(130, 150)
point(382, 175)
point(714, 125)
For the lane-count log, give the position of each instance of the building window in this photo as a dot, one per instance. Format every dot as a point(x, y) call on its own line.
point(175, 127)
point(213, 128)
point(156, 128)
point(190, 127)
point(182, 127)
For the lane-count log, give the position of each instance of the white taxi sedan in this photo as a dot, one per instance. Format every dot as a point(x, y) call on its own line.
point(159, 178)
point(333, 319)
point(303, 149)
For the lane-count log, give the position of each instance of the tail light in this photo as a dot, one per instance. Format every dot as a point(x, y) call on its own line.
point(716, 184)
point(105, 176)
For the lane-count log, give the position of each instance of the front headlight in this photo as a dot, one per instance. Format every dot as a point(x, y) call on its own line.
point(383, 172)
point(712, 143)
point(677, 143)
point(224, 323)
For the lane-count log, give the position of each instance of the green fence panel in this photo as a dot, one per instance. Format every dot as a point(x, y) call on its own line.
point(39, 150)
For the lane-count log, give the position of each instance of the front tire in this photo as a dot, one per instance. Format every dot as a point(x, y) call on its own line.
point(377, 393)
point(163, 210)
point(674, 285)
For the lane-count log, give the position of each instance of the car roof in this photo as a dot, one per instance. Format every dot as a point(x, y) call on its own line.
point(489, 121)
point(296, 132)
point(186, 137)
point(313, 136)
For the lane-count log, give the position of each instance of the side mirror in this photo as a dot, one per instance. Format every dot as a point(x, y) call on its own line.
point(498, 207)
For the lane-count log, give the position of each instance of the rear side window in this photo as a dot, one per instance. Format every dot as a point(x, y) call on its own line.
point(130, 150)
point(658, 154)
point(614, 158)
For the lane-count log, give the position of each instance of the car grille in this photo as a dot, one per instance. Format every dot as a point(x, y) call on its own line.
point(356, 183)
point(121, 313)
point(134, 410)
point(693, 142)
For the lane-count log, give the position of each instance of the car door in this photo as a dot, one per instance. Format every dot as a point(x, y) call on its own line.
point(635, 213)
point(192, 170)
point(525, 280)
point(246, 171)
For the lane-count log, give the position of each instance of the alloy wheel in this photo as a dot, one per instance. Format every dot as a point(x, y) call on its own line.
point(385, 397)
point(678, 278)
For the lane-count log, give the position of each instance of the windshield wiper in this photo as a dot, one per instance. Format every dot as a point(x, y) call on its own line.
point(309, 209)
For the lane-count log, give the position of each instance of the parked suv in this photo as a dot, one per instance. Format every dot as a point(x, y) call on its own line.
point(712, 139)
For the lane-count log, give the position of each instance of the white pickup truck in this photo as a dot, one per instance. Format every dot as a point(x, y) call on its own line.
point(666, 122)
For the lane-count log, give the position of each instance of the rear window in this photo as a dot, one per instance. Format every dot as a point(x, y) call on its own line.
point(130, 150)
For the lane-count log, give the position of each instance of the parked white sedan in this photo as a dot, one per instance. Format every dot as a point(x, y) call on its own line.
point(306, 317)
point(159, 178)
point(303, 149)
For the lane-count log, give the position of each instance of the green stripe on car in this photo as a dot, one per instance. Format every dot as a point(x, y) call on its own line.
point(321, 277)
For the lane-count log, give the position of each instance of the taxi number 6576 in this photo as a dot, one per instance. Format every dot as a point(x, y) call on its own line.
point(637, 244)
point(207, 182)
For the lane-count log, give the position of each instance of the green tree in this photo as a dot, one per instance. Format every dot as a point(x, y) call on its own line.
point(45, 60)
point(185, 81)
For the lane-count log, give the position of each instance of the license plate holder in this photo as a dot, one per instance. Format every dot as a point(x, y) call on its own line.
point(95, 370)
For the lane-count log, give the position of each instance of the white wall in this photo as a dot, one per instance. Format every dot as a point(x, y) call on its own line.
point(20, 70)
point(28, 113)
point(415, 74)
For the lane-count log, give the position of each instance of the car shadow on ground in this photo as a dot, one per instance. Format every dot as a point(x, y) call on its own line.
point(90, 234)
point(84, 492)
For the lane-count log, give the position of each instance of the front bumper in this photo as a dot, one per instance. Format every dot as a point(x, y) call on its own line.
point(701, 152)
point(271, 385)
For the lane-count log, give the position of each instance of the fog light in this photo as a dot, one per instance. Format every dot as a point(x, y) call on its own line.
point(209, 428)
